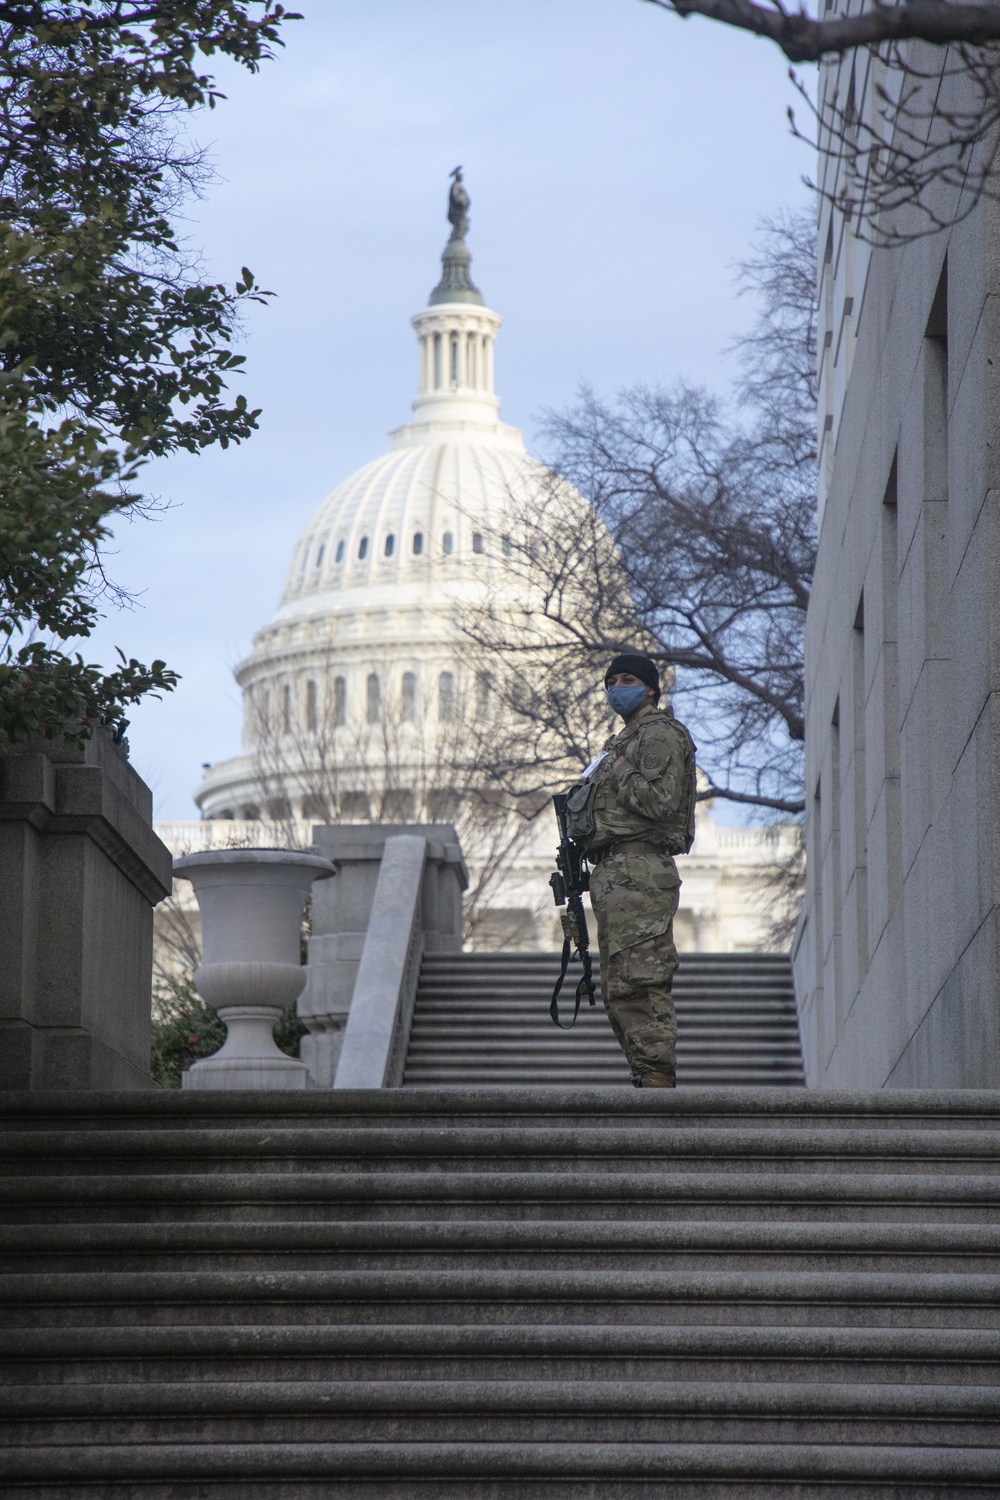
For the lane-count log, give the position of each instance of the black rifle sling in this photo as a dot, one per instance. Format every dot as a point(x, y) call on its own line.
point(554, 1006)
point(586, 985)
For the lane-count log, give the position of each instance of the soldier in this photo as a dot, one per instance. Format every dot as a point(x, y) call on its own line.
point(639, 813)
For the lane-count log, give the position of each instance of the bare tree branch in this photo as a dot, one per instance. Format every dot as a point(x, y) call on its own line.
point(905, 113)
point(697, 546)
point(778, 804)
point(802, 38)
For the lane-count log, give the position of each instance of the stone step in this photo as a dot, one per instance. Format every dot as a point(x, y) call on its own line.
point(482, 1019)
point(501, 1294)
point(690, 963)
point(534, 994)
point(843, 1196)
point(528, 1004)
point(587, 1244)
point(556, 1047)
point(503, 1297)
point(585, 1149)
point(541, 1025)
point(467, 967)
point(435, 1077)
point(290, 1470)
point(657, 1110)
point(765, 1352)
point(496, 1411)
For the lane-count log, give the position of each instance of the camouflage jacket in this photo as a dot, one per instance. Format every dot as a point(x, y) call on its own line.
point(646, 799)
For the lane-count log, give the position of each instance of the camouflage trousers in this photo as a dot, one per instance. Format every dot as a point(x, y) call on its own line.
point(634, 897)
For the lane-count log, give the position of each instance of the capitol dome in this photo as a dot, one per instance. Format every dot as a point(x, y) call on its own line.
point(361, 687)
point(367, 631)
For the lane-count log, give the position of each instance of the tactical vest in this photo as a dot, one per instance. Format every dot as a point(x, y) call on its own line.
point(680, 825)
point(677, 830)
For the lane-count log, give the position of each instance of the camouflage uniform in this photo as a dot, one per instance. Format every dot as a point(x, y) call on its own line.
point(634, 885)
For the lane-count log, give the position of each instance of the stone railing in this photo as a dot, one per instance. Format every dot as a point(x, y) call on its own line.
point(349, 965)
point(378, 1026)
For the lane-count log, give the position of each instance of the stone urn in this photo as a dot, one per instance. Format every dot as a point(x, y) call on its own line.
point(251, 903)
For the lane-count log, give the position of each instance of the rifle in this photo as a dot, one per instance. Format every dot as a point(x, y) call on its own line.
point(568, 881)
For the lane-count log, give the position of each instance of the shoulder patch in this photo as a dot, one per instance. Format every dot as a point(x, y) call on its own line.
point(650, 761)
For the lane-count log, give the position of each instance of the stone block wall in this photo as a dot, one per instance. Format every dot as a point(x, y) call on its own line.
point(80, 872)
point(896, 961)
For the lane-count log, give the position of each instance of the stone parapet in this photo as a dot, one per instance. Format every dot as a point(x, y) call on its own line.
point(341, 915)
point(80, 872)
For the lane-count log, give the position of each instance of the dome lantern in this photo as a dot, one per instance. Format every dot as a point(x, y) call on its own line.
point(456, 332)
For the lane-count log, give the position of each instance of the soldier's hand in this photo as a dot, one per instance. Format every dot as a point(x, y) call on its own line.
point(619, 764)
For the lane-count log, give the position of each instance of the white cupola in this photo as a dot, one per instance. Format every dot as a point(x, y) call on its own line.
point(456, 333)
point(389, 560)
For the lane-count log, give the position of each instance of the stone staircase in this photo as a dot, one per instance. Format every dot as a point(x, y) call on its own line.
point(500, 1294)
point(483, 1018)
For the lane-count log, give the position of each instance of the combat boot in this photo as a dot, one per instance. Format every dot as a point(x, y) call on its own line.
point(654, 1080)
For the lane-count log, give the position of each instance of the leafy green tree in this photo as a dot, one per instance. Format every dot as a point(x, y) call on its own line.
point(113, 350)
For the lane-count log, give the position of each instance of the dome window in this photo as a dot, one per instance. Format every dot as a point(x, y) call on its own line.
point(477, 541)
point(320, 555)
point(398, 806)
point(363, 547)
point(311, 707)
point(508, 546)
point(374, 704)
point(390, 545)
point(418, 543)
point(339, 702)
point(448, 543)
point(286, 709)
point(409, 697)
point(339, 554)
point(446, 697)
point(355, 807)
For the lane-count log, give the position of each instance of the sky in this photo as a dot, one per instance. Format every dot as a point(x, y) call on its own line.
point(617, 159)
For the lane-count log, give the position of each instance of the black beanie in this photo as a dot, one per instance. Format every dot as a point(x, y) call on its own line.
point(639, 666)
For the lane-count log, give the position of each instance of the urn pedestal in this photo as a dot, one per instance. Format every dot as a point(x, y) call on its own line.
point(251, 903)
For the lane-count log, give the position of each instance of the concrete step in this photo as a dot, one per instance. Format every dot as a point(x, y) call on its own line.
point(713, 1034)
point(772, 1196)
point(451, 1043)
point(583, 1243)
point(290, 1470)
point(691, 964)
point(483, 1019)
point(656, 1110)
point(493, 1295)
point(497, 1411)
point(583, 1150)
point(959, 1357)
point(498, 1294)
point(528, 1005)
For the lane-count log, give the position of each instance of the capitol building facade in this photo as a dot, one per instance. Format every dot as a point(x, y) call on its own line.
point(361, 698)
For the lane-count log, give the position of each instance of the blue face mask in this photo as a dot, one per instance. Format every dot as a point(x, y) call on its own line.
point(624, 700)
